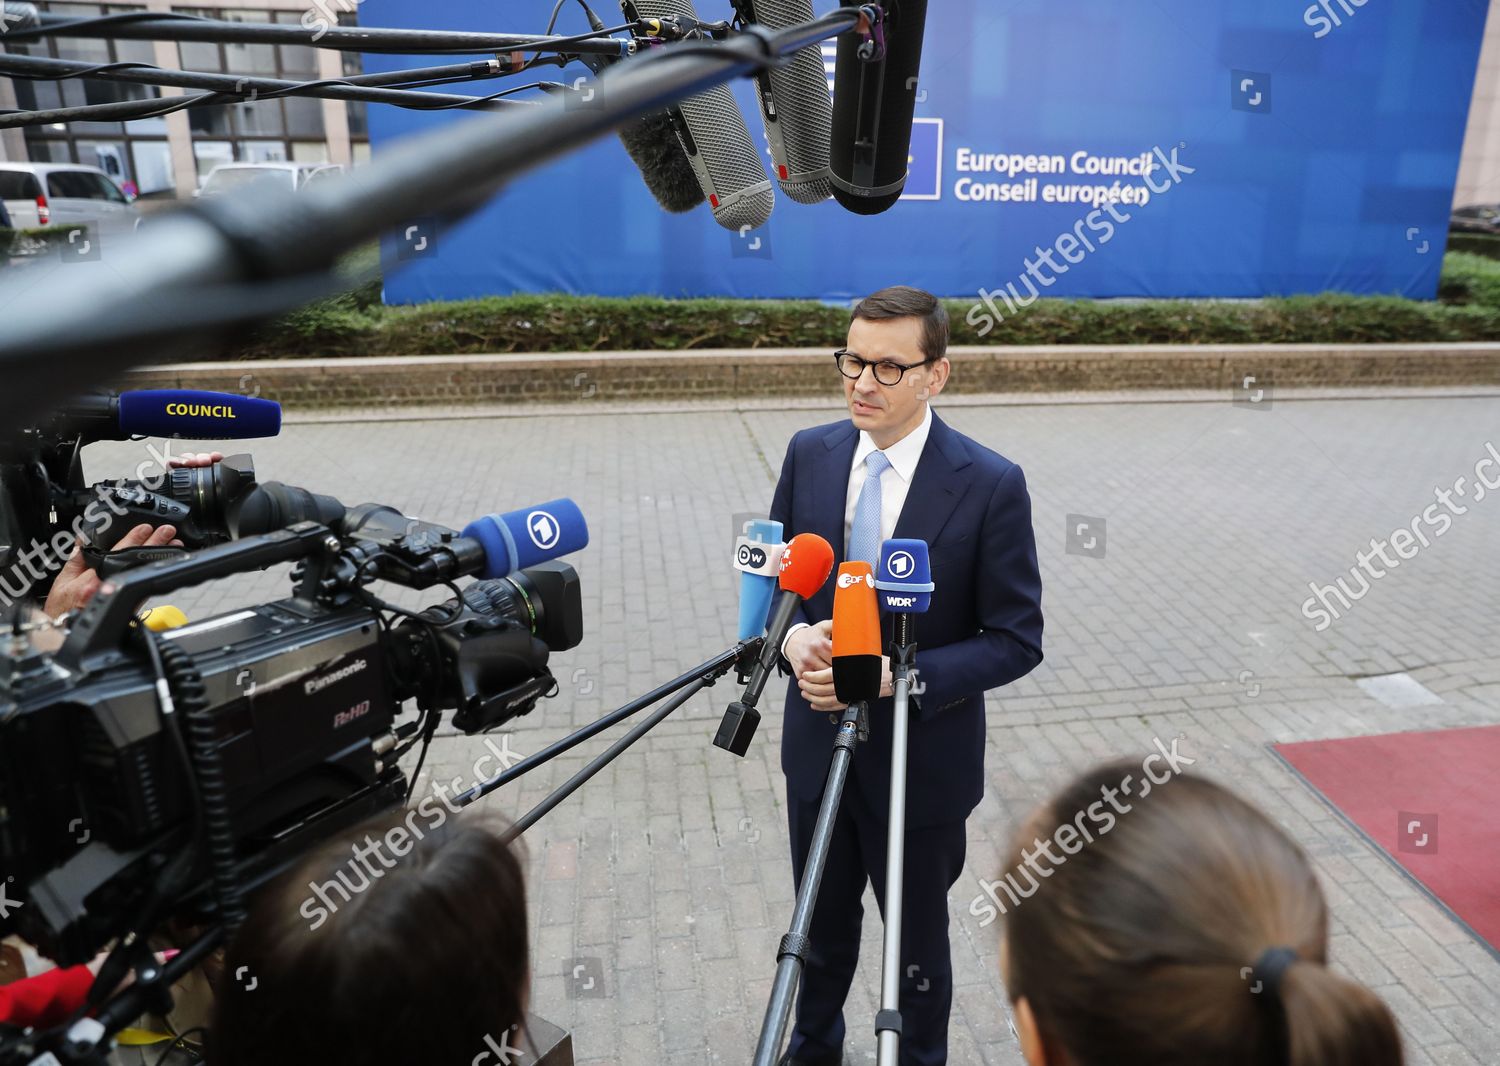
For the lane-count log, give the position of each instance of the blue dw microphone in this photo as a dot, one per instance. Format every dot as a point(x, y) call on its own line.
point(904, 580)
point(197, 415)
point(757, 556)
point(527, 536)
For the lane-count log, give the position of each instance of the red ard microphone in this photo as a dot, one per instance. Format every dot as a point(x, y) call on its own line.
point(856, 636)
point(805, 566)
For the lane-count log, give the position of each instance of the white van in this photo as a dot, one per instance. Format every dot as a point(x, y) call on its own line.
point(61, 194)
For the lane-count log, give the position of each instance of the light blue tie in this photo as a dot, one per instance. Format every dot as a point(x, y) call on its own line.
point(864, 534)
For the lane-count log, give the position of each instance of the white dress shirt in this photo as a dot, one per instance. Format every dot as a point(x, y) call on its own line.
point(895, 483)
point(904, 455)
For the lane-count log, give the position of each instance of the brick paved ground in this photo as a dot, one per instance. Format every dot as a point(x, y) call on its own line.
point(667, 878)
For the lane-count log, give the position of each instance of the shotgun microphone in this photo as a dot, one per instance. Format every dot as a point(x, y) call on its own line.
point(794, 104)
point(652, 144)
point(805, 565)
point(874, 99)
point(856, 635)
point(715, 138)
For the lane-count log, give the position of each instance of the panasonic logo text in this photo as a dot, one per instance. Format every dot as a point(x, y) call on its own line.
point(318, 684)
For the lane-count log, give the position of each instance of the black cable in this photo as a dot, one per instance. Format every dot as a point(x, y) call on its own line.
point(336, 38)
point(181, 1041)
point(203, 745)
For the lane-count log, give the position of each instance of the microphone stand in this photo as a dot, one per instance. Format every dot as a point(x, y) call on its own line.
point(888, 1018)
point(707, 673)
point(853, 727)
point(572, 784)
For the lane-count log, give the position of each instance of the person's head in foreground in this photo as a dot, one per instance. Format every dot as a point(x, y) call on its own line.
point(1189, 930)
point(412, 956)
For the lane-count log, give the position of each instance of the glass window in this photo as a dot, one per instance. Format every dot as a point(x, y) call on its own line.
point(209, 121)
point(304, 116)
point(309, 152)
point(82, 185)
point(263, 152)
point(296, 58)
point(50, 152)
point(200, 55)
point(250, 58)
point(359, 127)
point(18, 185)
point(256, 118)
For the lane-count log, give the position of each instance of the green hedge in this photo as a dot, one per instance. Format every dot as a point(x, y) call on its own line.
point(355, 323)
point(1484, 244)
point(37, 241)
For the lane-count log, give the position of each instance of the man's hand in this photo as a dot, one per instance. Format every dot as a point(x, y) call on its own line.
point(78, 582)
point(810, 648)
point(810, 651)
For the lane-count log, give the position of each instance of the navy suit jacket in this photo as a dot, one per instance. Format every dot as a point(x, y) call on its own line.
point(983, 629)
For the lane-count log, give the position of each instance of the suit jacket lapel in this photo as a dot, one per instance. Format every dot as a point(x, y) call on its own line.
point(831, 489)
point(936, 486)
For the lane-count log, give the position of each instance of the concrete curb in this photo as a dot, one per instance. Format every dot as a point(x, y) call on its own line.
point(699, 375)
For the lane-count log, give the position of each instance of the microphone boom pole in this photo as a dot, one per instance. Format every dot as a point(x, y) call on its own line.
point(245, 243)
point(640, 729)
point(714, 667)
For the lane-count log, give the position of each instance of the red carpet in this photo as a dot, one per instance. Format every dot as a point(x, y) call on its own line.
point(1430, 800)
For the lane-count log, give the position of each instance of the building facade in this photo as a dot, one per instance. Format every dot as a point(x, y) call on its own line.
point(168, 157)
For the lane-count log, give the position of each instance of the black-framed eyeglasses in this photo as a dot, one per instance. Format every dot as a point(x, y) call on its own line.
point(886, 371)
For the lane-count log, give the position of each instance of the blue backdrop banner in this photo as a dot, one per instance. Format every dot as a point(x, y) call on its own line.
point(1231, 148)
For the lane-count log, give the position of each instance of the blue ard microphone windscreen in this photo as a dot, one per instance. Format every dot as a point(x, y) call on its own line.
point(198, 415)
point(529, 535)
point(904, 580)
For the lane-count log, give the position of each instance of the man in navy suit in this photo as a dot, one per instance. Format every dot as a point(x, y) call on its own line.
point(895, 469)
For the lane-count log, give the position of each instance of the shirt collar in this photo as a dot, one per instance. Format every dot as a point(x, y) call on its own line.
point(904, 454)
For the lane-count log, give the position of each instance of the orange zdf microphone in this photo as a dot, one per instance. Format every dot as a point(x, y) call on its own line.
point(805, 566)
point(856, 635)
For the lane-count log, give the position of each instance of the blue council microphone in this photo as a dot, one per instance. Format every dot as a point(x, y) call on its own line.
point(529, 535)
point(196, 415)
point(757, 556)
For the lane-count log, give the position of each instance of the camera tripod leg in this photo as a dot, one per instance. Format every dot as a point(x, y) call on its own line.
point(790, 957)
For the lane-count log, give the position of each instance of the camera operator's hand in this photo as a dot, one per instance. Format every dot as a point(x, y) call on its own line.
point(78, 582)
point(195, 459)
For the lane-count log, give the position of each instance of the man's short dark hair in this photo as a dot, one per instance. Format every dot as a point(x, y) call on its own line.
point(903, 301)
